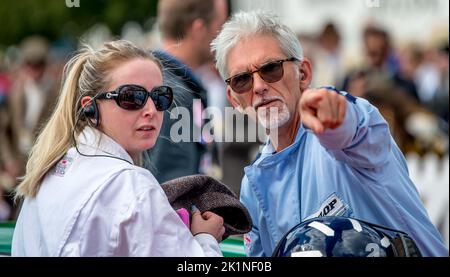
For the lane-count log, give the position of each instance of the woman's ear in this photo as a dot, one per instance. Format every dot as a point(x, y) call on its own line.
point(85, 100)
point(89, 110)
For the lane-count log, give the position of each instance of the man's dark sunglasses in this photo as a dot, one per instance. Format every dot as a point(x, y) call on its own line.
point(270, 72)
point(134, 97)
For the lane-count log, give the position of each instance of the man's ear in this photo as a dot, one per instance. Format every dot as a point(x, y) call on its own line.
point(197, 27)
point(234, 102)
point(305, 76)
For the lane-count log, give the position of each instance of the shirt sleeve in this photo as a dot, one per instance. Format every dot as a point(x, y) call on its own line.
point(363, 140)
point(209, 245)
point(132, 217)
point(153, 228)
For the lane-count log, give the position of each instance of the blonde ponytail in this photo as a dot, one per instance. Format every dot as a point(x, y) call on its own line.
point(84, 75)
point(55, 139)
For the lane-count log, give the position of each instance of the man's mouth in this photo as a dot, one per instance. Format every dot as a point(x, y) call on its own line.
point(265, 103)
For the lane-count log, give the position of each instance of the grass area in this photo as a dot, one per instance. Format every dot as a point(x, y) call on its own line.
point(233, 246)
point(6, 233)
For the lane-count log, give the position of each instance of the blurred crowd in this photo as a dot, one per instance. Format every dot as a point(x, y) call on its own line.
point(408, 82)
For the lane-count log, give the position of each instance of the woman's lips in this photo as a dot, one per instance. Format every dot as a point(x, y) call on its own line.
point(147, 131)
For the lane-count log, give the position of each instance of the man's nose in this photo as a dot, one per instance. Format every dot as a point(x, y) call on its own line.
point(259, 85)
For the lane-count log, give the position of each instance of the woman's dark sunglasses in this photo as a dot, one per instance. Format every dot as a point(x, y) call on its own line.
point(270, 72)
point(134, 97)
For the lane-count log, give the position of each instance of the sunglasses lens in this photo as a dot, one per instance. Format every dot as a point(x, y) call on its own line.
point(162, 97)
point(272, 72)
point(241, 83)
point(131, 98)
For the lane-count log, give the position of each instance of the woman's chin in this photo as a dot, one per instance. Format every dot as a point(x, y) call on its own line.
point(148, 145)
point(143, 146)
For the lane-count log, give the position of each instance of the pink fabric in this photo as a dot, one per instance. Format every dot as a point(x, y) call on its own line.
point(184, 215)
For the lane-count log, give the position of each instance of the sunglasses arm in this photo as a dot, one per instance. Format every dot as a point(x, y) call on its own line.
point(107, 95)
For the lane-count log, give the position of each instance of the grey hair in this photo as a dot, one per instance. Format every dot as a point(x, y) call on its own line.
point(246, 24)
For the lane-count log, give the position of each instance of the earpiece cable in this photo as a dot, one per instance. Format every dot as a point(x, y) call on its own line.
point(86, 155)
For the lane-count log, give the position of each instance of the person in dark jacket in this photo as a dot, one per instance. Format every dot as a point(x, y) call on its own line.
point(187, 29)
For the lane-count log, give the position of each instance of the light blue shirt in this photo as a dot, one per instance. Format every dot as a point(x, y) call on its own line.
point(355, 170)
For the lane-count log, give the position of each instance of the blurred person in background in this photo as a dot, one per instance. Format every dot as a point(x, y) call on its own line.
point(8, 164)
point(32, 97)
point(388, 81)
point(215, 88)
point(187, 29)
point(424, 74)
point(380, 59)
point(410, 59)
point(327, 56)
point(439, 101)
point(414, 128)
point(427, 76)
point(379, 50)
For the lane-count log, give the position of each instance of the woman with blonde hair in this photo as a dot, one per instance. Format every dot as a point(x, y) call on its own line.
point(85, 193)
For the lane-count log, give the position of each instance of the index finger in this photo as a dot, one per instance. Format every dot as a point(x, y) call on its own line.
point(311, 99)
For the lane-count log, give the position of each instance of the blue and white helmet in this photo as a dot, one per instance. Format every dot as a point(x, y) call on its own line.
point(333, 236)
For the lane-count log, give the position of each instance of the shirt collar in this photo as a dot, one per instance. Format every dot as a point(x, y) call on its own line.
point(94, 142)
point(269, 149)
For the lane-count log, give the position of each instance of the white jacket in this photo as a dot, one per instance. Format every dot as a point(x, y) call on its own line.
point(102, 206)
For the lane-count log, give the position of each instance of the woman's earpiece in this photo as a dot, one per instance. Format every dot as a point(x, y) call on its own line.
point(90, 111)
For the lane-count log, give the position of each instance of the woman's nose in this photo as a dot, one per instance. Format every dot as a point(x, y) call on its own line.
point(149, 109)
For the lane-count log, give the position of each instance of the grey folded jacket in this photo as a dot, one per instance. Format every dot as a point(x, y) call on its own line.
point(208, 194)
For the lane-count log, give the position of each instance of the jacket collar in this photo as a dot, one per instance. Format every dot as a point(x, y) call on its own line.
point(269, 149)
point(180, 69)
point(94, 142)
point(268, 153)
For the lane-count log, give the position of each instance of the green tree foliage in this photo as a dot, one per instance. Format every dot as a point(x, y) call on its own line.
point(53, 19)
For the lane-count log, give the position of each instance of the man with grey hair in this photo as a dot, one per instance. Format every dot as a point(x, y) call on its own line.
point(328, 153)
